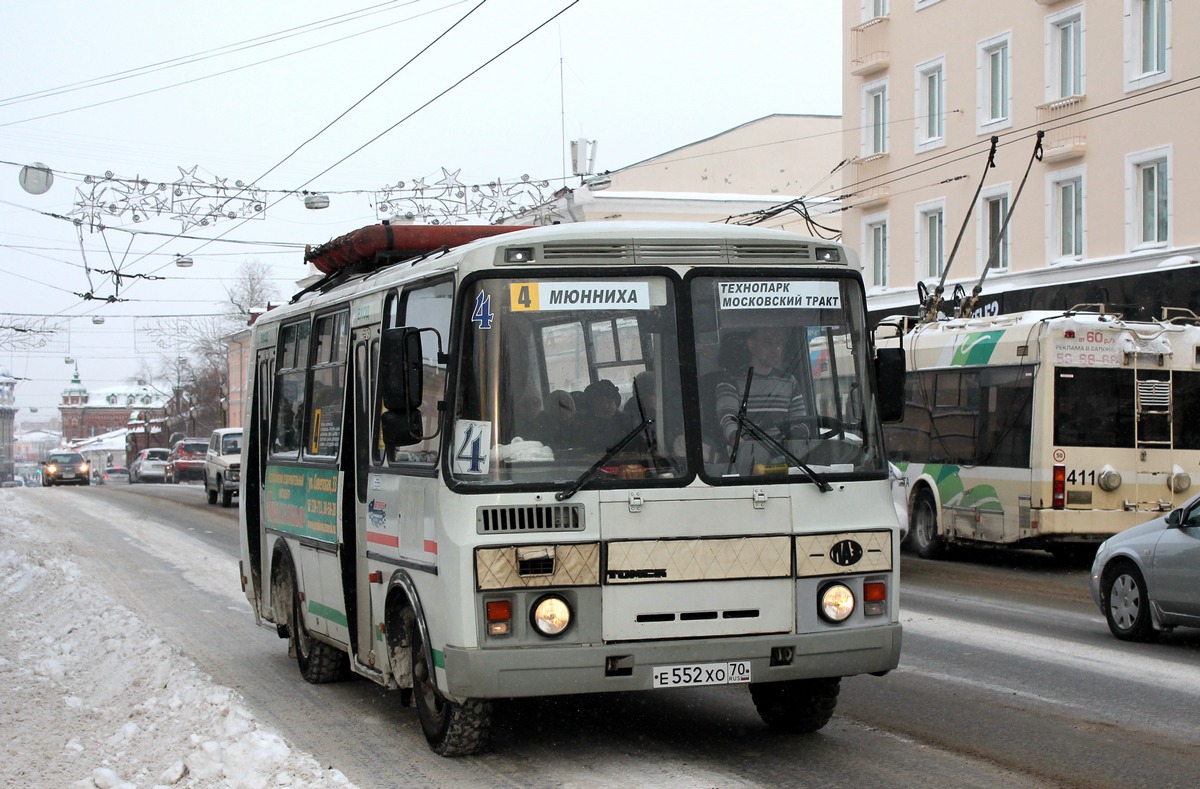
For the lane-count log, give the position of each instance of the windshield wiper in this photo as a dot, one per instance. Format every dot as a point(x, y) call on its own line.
point(574, 487)
point(747, 425)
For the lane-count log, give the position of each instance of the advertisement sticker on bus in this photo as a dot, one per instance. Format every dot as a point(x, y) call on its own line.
point(545, 296)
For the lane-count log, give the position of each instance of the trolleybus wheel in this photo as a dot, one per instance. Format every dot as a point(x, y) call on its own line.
point(1126, 604)
point(451, 728)
point(799, 706)
point(319, 662)
point(922, 531)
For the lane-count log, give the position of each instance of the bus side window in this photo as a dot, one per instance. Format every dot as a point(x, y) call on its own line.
point(328, 385)
point(426, 307)
point(287, 422)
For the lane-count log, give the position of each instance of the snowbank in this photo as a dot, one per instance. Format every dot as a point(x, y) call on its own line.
point(93, 697)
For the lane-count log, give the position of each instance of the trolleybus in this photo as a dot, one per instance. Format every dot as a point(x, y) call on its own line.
point(1044, 429)
point(496, 468)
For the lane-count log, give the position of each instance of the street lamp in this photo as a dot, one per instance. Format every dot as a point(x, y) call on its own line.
point(183, 261)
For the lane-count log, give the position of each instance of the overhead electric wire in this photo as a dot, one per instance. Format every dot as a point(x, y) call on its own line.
point(207, 54)
point(460, 81)
point(222, 73)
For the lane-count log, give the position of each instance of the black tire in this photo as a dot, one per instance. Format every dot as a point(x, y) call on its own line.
point(922, 528)
point(798, 706)
point(1126, 602)
point(450, 728)
point(319, 662)
point(211, 493)
point(226, 496)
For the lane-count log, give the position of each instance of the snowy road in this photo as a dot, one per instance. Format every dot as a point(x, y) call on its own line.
point(1008, 678)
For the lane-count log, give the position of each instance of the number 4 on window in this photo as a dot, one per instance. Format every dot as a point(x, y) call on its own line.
point(482, 315)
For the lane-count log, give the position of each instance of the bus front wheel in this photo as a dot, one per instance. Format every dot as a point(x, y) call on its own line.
point(798, 706)
point(923, 530)
point(451, 728)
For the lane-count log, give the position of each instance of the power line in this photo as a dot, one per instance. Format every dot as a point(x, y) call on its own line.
point(196, 57)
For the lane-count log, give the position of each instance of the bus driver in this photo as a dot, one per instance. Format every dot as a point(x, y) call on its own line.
point(775, 400)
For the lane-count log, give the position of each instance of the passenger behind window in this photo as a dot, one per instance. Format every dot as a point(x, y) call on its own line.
point(602, 425)
point(556, 424)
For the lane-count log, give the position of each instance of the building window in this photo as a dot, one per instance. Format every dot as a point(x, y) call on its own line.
point(1148, 198)
point(931, 105)
point(997, 234)
point(875, 118)
point(875, 237)
point(1065, 53)
point(931, 238)
point(1066, 214)
point(995, 93)
point(873, 9)
point(1147, 42)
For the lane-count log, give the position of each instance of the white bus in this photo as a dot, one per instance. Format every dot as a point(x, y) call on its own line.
point(1047, 430)
point(500, 470)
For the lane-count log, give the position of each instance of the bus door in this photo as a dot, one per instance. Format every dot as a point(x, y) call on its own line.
point(302, 479)
point(398, 494)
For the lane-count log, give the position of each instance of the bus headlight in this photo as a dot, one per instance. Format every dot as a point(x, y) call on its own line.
point(1109, 479)
point(837, 603)
point(551, 616)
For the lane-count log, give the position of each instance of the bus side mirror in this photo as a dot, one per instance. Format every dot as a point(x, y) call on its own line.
point(889, 373)
point(401, 385)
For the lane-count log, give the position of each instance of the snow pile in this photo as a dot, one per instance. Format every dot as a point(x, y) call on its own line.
point(94, 698)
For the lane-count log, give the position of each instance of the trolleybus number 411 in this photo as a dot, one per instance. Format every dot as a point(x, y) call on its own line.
point(701, 674)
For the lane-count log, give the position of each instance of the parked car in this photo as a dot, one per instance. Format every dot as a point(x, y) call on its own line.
point(66, 468)
point(222, 465)
point(1147, 579)
point(150, 465)
point(186, 461)
point(114, 474)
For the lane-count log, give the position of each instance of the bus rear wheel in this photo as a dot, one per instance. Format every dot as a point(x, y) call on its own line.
point(451, 728)
point(923, 531)
point(798, 706)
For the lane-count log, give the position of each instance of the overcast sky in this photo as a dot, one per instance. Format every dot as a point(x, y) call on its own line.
point(209, 94)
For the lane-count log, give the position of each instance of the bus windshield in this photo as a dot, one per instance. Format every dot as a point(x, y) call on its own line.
point(567, 381)
point(782, 378)
point(556, 372)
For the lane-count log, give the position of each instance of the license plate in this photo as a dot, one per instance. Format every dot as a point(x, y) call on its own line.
point(691, 674)
point(68, 475)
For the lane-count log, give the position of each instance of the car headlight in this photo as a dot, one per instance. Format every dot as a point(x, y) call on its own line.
point(836, 603)
point(52, 469)
point(551, 615)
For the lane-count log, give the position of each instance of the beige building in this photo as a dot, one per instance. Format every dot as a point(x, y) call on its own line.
point(929, 82)
point(778, 171)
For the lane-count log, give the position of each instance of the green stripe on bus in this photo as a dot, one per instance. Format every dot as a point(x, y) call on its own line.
point(439, 658)
point(325, 612)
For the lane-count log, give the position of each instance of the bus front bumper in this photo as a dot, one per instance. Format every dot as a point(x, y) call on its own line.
point(625, 666)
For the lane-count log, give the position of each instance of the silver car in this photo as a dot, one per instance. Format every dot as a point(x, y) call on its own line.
point(150, 464)
point(1147, 579)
